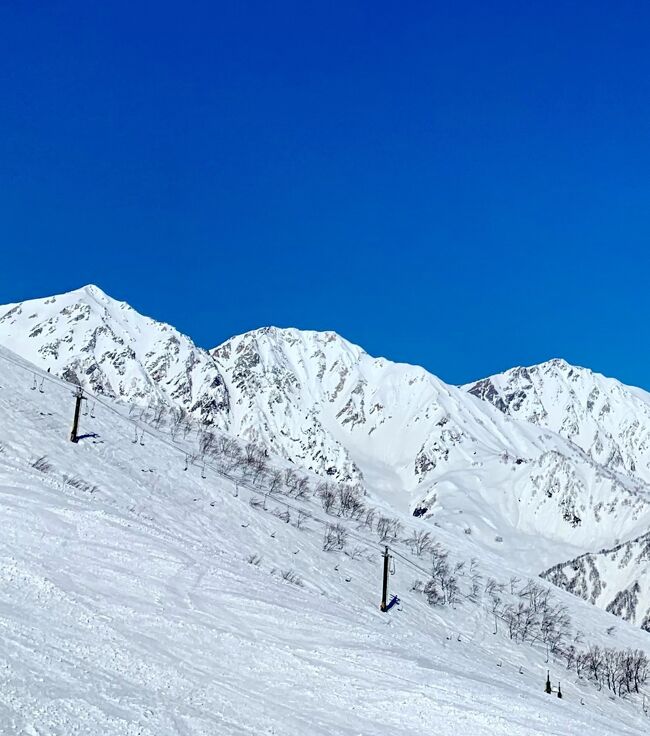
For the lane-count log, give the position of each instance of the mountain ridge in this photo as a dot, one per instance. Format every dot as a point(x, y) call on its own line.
point(324, 404)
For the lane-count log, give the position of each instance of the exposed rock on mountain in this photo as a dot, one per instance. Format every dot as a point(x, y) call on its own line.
point(606, 419)
point(550, 452)
point(106, 346)
point(616, 579)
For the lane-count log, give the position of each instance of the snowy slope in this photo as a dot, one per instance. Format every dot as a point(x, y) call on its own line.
point(421, 444)
point(606, 419)
point(616, 579)
point(326, 405)
point(128, 604)
point(543, 464)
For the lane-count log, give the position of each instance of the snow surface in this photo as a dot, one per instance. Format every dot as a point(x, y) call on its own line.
point(616, 579)
point(326, 405)
point(541, 464)
point(128, 606)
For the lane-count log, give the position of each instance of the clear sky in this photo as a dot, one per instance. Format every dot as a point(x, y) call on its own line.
point(463, 185)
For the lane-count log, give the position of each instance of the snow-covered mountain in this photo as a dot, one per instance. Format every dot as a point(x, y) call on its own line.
point(142, 596)
point(514, 459)
point(105, 346)
point(420, 443)
point(616, 579)
point(606, 419)
point(130, 561)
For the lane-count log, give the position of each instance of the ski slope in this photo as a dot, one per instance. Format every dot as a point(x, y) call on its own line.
point(128, 604)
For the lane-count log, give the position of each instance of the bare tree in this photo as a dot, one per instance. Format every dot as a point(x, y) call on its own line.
point(275, 480)
point(369, 519)
point(259, 468)
point(301, 488)
point(207, 441)
point(476, 581)
point(327, 495)
point(232, 457)
point(225, 445)
point(433, 592)
point(178, 416)
point(159, 411)
point(335, 537)
point(349, 501)
point(514, 581)
point(420, 542)
point(290, 576)
point(495, 593)
point(387, 529)
point(290, 479)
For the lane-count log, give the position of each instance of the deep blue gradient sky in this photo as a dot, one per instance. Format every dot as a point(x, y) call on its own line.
point(461, 185)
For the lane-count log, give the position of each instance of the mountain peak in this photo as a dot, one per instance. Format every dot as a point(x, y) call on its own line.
point(94, 291)
point(106, 346)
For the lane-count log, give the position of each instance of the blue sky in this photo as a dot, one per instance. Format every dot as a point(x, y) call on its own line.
point(461, 185)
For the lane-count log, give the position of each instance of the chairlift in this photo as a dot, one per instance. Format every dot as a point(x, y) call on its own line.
point(34, 385)
point(40, 388)
point(391, 565)
point(92, 411)
point(142, 438)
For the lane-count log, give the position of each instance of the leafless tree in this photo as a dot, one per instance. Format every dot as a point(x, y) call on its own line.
point(233, 457)
point(514, 581)
point(494, 591)
point(387, 529)
point(290, 479)
point(369, 518)
point(159, 411)
point(355, 552)
point(275, 480)
point(207, 441)
point(178, 417)
point(434, 593)
point(335, 537)
point(475, 580)
point(420, 542)
point(225, 445)
point(349, 501)
point(290, 576)
point(301, 488)
point(327, 496)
